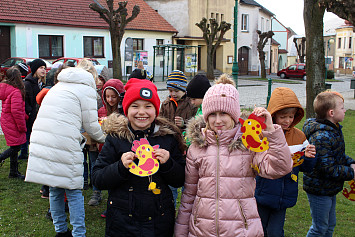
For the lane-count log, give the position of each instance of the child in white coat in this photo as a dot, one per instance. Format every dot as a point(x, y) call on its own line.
point(56, 157)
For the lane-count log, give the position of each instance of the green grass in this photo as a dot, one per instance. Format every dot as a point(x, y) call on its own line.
point(298, 218)
point(333, 80)
point(22, 210)
point(273, 80)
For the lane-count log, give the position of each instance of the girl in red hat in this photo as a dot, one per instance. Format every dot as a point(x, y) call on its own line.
point(140, 202)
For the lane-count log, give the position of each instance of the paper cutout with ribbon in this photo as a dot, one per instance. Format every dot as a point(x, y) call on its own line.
point(350, 194)
point(297, 152)
point(251, 129)
point(148, 164)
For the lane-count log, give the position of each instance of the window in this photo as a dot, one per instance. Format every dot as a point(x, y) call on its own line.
point(293, 67)
point(50, 46)
point(222, 17)
point(262, 28)
point(93, 47)
point(301, 67)
point(212, 15)
point(138, 44)
point(245, 22)
point(344, 42)
point(160, 51)
point(350, 41)
point(217, 16)
point(339, 43)
point(267, 25)
point(341, 62)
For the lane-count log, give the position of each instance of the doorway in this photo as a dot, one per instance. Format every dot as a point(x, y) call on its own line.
point(5, 51)
point(243, 60)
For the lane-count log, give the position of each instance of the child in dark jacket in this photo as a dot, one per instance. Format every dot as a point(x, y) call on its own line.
point(140, 204)
point(34, 82)
point(274, 196)
point(333, 166)
point(13, 123)
point(177, 108)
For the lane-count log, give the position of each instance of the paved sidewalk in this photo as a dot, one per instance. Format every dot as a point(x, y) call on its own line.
point(254, 93)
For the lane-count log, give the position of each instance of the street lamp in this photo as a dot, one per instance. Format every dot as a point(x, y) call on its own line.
point(235, 68)
point(329, 42)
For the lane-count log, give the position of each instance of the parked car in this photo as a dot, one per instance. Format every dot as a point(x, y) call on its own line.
point(295, 70)
point(16, 60)
point(74, 61)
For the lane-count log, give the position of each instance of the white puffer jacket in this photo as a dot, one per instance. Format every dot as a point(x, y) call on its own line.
point(55, 153)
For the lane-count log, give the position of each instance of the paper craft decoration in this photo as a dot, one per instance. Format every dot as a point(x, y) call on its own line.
point(350, 194)
point(148, 164)
point(251, 129)
point(297, 152)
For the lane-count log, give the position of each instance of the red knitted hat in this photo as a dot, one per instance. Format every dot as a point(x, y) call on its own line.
point(137, 89)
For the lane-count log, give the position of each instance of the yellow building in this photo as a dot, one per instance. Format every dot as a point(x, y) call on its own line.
point(344, 49)
point(184, 14)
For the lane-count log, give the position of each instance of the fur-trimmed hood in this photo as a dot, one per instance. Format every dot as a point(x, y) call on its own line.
point(117, 125)
point(196, 133)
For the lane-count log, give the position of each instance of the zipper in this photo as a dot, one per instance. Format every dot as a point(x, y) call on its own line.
point(217, 187)
point(243, 215)
point(197, 205)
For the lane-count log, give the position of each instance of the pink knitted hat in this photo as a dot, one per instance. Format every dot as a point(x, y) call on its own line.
point(221, 97)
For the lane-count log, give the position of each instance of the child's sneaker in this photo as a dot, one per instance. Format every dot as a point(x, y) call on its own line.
point(65, 234)
point(95, 198)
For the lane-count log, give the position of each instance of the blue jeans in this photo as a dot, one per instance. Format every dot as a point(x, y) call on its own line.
point(273, 221)
point(92, 158)
point(76, 210)
point(323, 215)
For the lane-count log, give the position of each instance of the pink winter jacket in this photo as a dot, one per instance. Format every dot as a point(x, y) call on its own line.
point(13, 122)
point(218, 199)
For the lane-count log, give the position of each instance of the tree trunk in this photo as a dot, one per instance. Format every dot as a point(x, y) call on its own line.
point(116, 64)
point(315, 65)
point(262, 64)
point(210, 69)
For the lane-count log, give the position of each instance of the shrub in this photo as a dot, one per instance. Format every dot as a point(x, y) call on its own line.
point(330, 74)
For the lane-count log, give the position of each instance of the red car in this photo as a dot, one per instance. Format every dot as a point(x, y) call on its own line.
point(74, 61)
point(295, 70)
point(16, 60)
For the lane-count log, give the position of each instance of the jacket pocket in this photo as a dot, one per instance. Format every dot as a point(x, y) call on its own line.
point(244, 218)
point(196, 209)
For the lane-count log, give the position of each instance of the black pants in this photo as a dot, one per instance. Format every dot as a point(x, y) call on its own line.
point(12, 152)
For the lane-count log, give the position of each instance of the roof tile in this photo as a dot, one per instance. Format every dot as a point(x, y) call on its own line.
point(78, 14)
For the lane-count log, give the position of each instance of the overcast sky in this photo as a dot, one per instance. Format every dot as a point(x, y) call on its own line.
point(290, 13)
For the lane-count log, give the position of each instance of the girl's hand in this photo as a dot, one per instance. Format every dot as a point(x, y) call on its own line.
point(262, 112)
point(310, 151)
point(127, 158)
point(162, 155)
point(179, 121)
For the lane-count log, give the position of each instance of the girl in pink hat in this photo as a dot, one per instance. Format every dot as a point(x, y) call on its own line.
point(218, 199)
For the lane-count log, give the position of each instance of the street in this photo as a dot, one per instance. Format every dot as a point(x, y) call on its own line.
point(254, 93)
